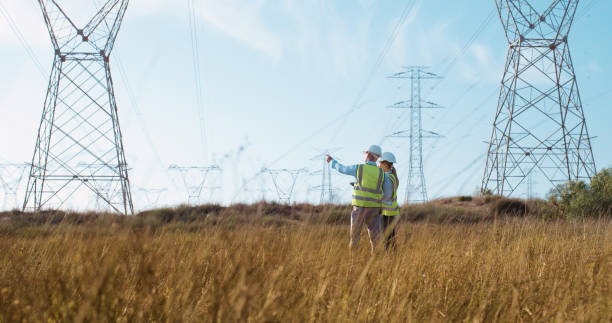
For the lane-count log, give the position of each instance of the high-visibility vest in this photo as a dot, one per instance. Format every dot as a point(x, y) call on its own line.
point(393, 209)
point(367, 191)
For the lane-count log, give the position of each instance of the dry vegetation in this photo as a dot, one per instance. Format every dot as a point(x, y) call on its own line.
point(170, 265)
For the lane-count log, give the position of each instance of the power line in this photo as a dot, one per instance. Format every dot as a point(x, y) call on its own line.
point(22, 40)
point(195, 50)
point(136, 107)
point(586, 9)
point(481, 27)
point(475, 163)
point(470, 42)
point(466, 46)
point(357, 103)
point(407, 9)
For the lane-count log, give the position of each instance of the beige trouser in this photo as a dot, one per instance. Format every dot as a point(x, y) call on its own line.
point(370, 216)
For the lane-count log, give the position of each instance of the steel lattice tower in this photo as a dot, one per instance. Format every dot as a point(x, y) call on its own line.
point(416, 190)
point(10, 179)
point(284, 186)
point(194, 178)
point(539, 125)
point(79, 124)
point(325, 188)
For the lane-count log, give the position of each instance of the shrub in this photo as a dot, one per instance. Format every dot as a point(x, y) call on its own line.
point(506, 206)
point(577, 199)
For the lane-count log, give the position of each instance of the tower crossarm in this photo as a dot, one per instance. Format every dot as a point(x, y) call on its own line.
point(97, 36)
point(522, 21)
point(62, 29)
point(105, 25)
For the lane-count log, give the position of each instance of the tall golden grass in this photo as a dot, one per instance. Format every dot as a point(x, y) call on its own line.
point(514, 269)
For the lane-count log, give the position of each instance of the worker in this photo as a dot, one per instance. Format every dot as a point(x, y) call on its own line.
point(371, 186)
point(390, 208)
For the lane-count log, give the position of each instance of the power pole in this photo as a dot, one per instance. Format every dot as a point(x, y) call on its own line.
point(416, 190)
point(79, 123)
point(539, 126)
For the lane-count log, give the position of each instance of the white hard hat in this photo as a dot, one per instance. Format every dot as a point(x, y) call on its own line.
point(387, 156)
point(374, 149)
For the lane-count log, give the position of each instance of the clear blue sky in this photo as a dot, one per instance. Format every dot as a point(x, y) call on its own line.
point(286, 80)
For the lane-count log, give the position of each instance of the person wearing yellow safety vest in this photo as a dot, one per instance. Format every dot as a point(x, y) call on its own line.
point(372, 185)
point(390, 208)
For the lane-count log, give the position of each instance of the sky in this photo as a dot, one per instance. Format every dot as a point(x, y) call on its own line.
point(283, 82)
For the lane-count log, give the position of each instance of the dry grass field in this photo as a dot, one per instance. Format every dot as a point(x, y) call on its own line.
point(509, 269)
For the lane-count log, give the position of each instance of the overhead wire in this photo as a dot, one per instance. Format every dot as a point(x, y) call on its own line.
point(481, 27)
point(22, 40)
point(454, 177)
point(195, 50)
point(357, 103)
point(468, 116)
point(137, 111)
point(586, 9)
point(484, 24)
point(479, 30)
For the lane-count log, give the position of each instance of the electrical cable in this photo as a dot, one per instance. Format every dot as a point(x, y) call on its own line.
point(22, 40)
point(587, 9)
point(195, 50)
point(357, 103)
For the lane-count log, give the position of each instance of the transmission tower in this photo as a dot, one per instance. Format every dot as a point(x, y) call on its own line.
point(416, 190)
point(10, 180)
point(194, 178)
point(539, 125)
point(284, 181)
point(152, 196)
point(79, 123)
point(326, 188)
point(258, 191)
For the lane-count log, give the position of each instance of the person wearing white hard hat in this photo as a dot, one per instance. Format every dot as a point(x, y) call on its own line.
point(390, 208)
point(371, 186)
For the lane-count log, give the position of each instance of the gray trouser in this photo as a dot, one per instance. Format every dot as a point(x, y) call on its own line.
point(370, 216)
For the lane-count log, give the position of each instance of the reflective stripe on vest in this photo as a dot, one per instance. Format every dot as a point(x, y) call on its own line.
point(393, 209)
point(367, 191)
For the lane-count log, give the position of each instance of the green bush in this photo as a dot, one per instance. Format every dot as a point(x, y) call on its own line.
point(577, 199)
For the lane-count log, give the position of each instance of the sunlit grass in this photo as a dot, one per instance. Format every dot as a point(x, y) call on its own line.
point(506, 270)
